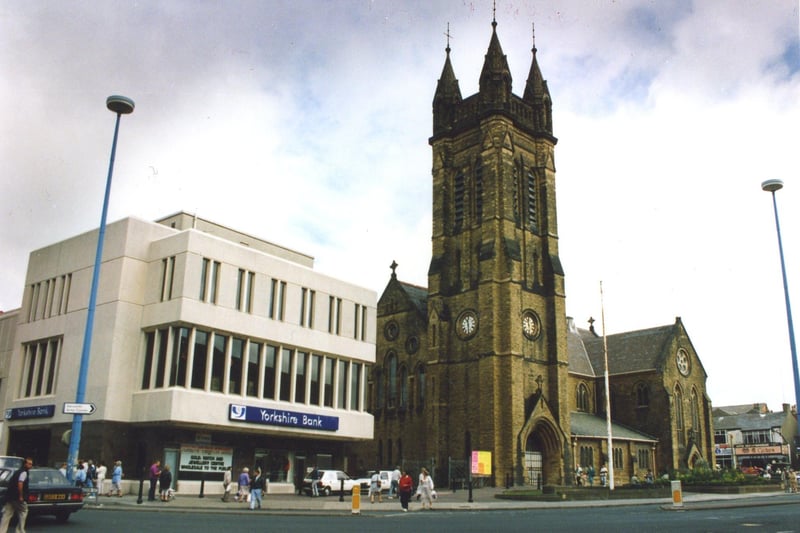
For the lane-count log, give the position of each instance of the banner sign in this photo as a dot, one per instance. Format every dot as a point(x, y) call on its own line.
point(481, 463)
point(37, 411)
point(201, 458)
point(279, 417)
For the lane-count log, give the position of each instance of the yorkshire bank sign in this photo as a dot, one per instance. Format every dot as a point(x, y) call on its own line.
point(281, 417)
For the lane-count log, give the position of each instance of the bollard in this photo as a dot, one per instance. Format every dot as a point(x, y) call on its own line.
point(341, 490)
point(356, 504)
point(141, 487)
point(453, 484)
point(470, 490)
point(677, 493)
point(202, 485)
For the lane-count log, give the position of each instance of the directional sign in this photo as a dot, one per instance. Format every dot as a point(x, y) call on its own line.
point(78, 408)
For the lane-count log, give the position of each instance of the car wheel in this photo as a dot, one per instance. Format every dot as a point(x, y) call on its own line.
point(326, 491)
point(62, 517)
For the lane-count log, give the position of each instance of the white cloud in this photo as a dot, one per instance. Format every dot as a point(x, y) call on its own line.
point(306, 123)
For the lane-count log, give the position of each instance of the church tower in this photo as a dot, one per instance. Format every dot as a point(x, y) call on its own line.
point(497, 329)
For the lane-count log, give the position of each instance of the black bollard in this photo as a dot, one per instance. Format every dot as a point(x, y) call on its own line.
point(141, 486)
point(202, 485)
point(341, 490)
point(470, 490)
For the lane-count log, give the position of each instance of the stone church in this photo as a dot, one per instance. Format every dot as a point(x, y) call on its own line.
point(485, 357)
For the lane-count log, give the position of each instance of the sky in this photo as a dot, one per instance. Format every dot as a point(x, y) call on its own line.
point(306, 123)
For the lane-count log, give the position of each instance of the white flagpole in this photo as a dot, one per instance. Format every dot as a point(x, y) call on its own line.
point(608, 394)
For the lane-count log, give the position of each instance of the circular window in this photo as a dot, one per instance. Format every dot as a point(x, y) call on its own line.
point(683, 362)
point(391, 330)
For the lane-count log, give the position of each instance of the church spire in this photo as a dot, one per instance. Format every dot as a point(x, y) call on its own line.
point(537, 93)
point(448, 94)
point(495, 80)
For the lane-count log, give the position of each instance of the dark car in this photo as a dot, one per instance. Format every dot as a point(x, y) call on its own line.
point(49, 492)
point(10, 461)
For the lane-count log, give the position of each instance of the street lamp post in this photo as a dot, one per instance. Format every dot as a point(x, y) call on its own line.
point(121, 106)
point(771, 186)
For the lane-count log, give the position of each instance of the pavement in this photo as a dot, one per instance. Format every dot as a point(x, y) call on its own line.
point(483, 499)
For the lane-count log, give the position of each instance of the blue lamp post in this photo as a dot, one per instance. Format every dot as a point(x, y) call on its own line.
point(772, 186)
point(121, 106)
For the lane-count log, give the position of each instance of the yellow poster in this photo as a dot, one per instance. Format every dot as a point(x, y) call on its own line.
point(481, 463)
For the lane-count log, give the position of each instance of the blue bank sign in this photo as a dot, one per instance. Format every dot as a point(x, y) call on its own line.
point(279, 417)
point(36, 411)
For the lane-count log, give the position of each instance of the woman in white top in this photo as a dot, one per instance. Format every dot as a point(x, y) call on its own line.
point(425, 488)
point(101, 476)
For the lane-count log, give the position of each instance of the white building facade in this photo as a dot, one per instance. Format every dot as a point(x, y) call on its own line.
point(211, 348)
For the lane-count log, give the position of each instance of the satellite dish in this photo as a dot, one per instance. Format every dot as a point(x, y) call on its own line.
point(66, 436)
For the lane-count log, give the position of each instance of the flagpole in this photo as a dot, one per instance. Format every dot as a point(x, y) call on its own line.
point(608, 393)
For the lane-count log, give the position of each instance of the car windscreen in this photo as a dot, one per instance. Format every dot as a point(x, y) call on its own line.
point(47, 478)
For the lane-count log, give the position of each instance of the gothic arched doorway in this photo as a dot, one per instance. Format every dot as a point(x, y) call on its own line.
point(542, 459)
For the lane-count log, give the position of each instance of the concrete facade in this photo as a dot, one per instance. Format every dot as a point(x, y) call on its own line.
point(210, 348)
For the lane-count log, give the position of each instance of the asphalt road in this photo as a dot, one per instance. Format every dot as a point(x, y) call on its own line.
point(651, 518)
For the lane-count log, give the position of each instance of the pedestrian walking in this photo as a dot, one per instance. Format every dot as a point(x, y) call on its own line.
point(405, 486)
point(244, 486)
point(256, 489)
point(101, 476)
point(226, 484)
point(155, 472)
point(116, 479)
point(315, 477)
point(17, 498)
point(165, 483)
point(375, 487)
point(425, 489)
point(395, 485)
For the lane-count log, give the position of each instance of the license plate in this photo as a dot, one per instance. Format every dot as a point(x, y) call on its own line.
point(54, 497)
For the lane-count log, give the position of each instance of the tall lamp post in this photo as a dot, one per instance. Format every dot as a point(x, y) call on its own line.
point(772, 186)
point(121, 106)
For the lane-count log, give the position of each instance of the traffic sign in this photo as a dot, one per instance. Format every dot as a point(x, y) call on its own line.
point(78, 408)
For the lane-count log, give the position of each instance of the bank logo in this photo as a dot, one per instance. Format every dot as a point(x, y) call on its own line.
point(238, 412)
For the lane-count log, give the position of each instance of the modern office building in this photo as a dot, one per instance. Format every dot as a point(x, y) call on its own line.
point(211, 348)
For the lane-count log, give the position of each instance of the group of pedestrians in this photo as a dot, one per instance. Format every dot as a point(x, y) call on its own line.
point(161, 477)
point(251, 488)
point(402, 486)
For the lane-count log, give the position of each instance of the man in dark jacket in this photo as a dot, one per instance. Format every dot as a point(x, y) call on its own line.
point(17, 498)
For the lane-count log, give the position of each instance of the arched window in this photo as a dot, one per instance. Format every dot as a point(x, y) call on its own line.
point(391, 368)
point(582, 398)
point(420, 386)
point(478, 191)
point(695, 411)
point(679, 413)
point(642, 395)
point(378, 378)
point(530, 191)
point(458, 203)
point(403, 387)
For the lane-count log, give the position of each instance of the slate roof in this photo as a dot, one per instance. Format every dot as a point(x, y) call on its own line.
point(418, 297)
point(579, 362)
point(589, 425)
point(747, 408)
point(632, 351)
point(750, 421)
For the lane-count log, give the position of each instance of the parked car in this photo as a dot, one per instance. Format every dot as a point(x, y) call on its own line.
point(49, 492)
point(386, 480)
point(10, 461)
point(330, 481)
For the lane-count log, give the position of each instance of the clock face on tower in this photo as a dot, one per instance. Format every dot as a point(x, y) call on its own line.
point(467, 324)
point(531, 325)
